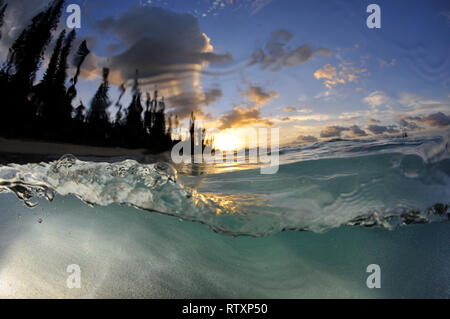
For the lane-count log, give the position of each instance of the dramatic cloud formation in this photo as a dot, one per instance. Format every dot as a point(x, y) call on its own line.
point(277, 53)
point(169, 51)
point(159, 41)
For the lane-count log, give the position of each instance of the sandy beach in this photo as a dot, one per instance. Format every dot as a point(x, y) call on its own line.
point(21, 151)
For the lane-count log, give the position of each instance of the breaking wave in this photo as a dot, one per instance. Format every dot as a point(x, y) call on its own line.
point(374, 184)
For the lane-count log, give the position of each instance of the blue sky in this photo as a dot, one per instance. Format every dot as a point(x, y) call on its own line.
point(319, 72)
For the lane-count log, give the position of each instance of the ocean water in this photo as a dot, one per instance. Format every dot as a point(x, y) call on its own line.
point(158, 230)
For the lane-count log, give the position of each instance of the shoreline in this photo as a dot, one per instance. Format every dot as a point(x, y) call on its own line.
point(31, 151)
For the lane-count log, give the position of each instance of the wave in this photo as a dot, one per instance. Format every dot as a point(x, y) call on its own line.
point(430, 149)
point(383, 189)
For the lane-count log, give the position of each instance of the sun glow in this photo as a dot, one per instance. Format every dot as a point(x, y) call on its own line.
point(229, 140)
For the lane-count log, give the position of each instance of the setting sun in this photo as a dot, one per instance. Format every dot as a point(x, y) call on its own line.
point(228, 140)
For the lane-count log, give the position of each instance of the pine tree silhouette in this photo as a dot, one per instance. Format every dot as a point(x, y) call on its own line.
point(133, 122)
point(61, 73)
point(44, 111)
point(170, 125)
point(44, 89)
point(148, 115)
point(24, 59)
point(97, 118)
point(79, 113)
point(118, 120)
point(159, 126)
point(63, 105)
point(100, 102)
point(27, 52)
point(78, 60)
point(50, 75)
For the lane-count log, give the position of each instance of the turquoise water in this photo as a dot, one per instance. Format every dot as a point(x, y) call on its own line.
point(140, 230)
point(123, 252)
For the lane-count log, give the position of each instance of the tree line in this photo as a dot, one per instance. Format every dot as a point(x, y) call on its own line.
point(45, 110)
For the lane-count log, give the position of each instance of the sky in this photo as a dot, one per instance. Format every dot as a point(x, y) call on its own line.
point(313, 69)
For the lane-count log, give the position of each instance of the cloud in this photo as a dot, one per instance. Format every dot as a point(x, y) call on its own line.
point(215, 7)
point(329, 94)
point(349, 72)
point(306, 139)
point(186, 102)
point(248, 116)
point(277, 53)
point(345, 72)
point(418, 104)
point(158, 41)
point(257, 5)
point(289, 109)
point(409, 99)
point(377, 98)
point(304, 118)
point(333, 131)
point(303, 110)
point(408, 125)
point(242, 117)
point(378, 129)
point(18, 15)
point(351, 116)
point(336, 131)
point(357, 131)
point(438, 120)
point(327, 72)
point(167, 48)
point(258, 96)
point(384, 63)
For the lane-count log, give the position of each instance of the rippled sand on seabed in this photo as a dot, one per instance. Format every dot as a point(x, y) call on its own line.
point(123, 252)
